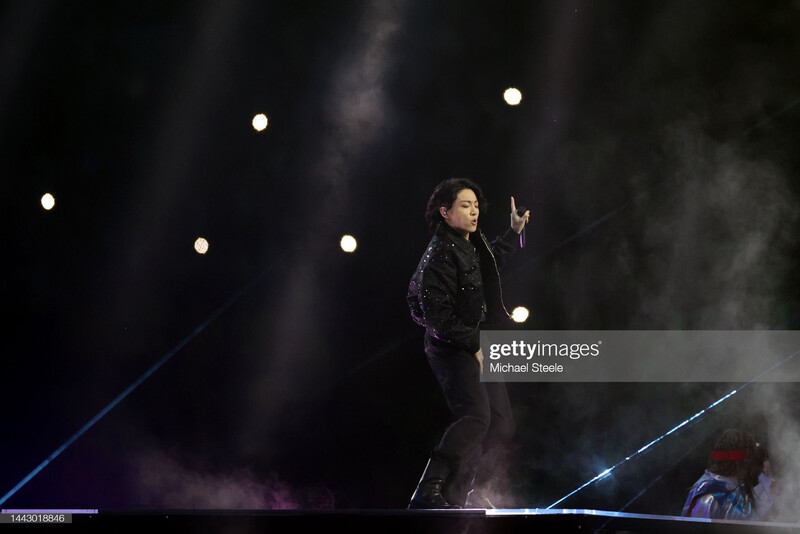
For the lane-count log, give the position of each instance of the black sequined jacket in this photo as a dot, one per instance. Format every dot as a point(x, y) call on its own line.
point(457, 285)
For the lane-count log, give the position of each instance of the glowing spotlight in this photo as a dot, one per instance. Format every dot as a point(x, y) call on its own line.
point(512, 96)
point(48, 201)
point(348, 243)
point(520, 314)
point(201, 245)
point(260, 122)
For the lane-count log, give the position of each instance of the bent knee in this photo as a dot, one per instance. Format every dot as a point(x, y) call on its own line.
point(479, 424)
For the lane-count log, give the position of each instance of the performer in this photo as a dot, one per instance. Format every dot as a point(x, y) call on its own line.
point(738, 483)
point(455, 288)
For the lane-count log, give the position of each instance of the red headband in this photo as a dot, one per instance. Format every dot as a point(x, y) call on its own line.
point(721, 456)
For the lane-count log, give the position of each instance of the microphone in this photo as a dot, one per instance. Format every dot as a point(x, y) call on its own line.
point(520, 212)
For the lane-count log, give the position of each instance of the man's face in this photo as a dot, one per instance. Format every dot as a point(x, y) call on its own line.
point(463, 214)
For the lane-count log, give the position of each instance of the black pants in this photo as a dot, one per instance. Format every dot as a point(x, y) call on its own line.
point(484, 425)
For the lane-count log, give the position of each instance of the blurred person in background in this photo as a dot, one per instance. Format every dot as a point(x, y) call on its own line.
point(738, 483)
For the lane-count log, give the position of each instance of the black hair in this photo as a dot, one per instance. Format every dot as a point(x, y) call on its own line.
point(746, 470)
point(445, 195)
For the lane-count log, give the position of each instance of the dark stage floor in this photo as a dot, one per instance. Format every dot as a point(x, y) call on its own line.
point(387, 521)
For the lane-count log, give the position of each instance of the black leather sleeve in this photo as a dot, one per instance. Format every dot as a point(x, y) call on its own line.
point(504, 246)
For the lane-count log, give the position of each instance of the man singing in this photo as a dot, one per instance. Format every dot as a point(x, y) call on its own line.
point(455, 288)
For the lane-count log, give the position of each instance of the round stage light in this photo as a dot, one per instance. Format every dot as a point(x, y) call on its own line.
point(512, 96)
point(201, 245)
point(348, 243)
point(48, 201)
point(260, 122)
point(520, 314)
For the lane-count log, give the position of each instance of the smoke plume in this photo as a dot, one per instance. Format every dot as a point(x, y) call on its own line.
point(167, 482)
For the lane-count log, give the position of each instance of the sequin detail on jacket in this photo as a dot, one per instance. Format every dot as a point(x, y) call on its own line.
point(457, 284)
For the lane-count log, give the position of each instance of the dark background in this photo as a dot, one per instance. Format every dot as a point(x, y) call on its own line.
point(656, 146)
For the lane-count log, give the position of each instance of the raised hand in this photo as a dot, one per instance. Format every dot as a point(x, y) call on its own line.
point(518, 221)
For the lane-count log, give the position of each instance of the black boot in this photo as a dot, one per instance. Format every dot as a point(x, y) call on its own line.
point(428, 494)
